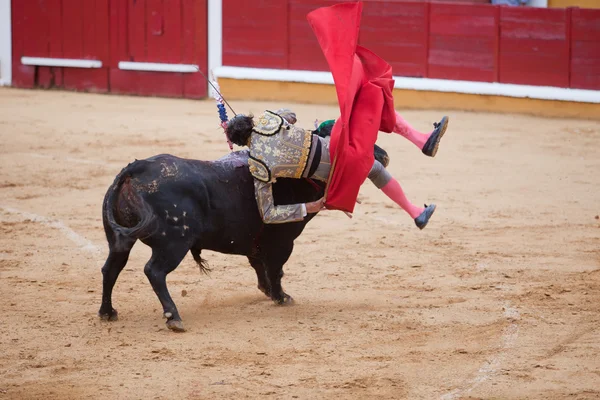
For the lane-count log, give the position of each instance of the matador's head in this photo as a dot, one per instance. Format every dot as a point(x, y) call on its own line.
point(239, 129)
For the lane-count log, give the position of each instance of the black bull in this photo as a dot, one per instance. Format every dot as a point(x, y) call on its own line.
point(176, 205)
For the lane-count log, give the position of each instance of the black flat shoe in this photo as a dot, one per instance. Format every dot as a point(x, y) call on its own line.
point(431, 146)
point(422, 220)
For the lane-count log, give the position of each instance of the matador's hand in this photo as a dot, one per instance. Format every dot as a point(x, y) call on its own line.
point(315, 206)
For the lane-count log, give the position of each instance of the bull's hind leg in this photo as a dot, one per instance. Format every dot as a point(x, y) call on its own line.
point(261, 275)
point(163, 261)
point(275, 257)
point(110, 272)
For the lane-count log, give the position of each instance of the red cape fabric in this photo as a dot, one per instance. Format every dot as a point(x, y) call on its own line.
point(363, 84)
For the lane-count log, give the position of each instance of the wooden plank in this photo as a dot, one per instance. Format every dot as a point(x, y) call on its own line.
point(136, 28)
point(534, 46)
point(163, 33)
point(195, 85)
point(189, 23)
point(154, 29)
point(146, 83)
point(23, 76)
point(170, 41)
point(398, 33)
point(90, 21)
point(55, 28)
point(84, 79)
point(585, 49)
point(119, 33)
point(255, 34)
point(303, 52)
point(36, 31)
point(44, 77)
point(462, 42)
point(101, 41)
point(73, 28)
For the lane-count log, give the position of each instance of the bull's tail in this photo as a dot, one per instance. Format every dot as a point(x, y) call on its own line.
point(124, 237)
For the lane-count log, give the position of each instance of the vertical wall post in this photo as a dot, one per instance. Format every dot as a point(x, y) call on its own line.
point(215, 36)
point(5, 43)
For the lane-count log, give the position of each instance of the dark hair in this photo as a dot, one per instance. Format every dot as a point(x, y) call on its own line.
point(239, 129)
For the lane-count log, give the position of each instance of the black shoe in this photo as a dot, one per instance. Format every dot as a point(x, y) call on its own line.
point(431, 146)
point(422, 220)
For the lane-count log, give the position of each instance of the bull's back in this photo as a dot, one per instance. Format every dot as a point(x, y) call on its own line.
point(211, 202)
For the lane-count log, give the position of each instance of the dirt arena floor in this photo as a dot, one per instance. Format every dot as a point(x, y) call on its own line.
point(498, 298)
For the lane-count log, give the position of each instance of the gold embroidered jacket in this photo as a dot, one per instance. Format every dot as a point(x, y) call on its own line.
point(278, 149)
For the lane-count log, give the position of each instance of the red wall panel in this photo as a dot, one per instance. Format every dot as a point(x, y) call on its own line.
point(136, 30)
point(163, 33)
point(164, 84)
point(397, 32)
point(119, 45)
point(585, 49)
point(194, 46)
point(159, 31)
point(463, 42)
point(21, 22)
point(534, 46)
point(72, 29)
point(90, 80)
point(60, 29)
point(255, 33)
point(303, 49)
point(53, 13)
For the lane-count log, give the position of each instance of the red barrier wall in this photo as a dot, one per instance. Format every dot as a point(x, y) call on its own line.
point(463, 42)
point(555, 47)
point(473, 42)
point(257, 33)
point(47, 28)
point(399, 33)
point(534, 46)
point(585, 49)
point(160, 31)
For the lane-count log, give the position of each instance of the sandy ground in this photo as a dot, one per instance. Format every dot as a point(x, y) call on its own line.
point(499, 297)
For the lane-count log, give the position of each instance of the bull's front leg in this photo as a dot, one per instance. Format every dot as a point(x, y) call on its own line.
point(162, 262)
point(275, 257)
point(261, 274)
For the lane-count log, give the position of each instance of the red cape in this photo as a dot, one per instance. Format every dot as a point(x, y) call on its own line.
point(364, 84)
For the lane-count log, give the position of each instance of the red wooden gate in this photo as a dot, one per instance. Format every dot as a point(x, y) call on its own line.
point(53, 39)
point(168, 32)
point(60, 29)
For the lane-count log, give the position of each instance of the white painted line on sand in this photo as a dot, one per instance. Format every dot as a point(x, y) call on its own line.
point(82, 242)
point(491, 366)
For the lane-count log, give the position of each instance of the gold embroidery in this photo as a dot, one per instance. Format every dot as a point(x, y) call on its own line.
point(283, 155)
point(268, 124)
point(258, 170)
point(270, 213)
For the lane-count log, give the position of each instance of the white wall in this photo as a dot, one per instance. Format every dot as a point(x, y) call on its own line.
point(538, 3)
point(5, 43)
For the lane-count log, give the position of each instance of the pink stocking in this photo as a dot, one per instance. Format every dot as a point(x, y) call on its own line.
point(393, 190)
point(403, 128)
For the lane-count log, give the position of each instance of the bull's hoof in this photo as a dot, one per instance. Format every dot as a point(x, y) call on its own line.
point(112, 315)
point(286, 300)
point(175, 326)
